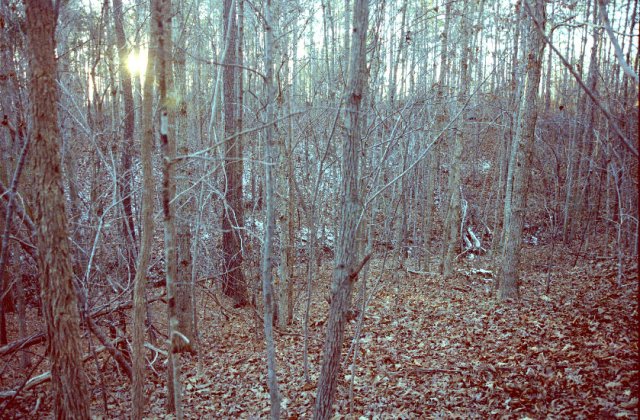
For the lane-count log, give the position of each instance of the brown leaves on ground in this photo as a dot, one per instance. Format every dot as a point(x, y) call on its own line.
point(428, 348)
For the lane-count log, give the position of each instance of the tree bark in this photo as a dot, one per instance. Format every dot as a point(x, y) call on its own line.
point(178, 342)
point(453, 221)
point(345, 259)
point(59, 300)
point(127, 136)
point(146, 241)
point(234, 284)
point(270, 154)
point(287, 216)
point(441, 120)
point(185, 288)
point(522, 147)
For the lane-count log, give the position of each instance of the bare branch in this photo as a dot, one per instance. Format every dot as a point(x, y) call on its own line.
point(616, 46)
point(353, 276)
point(584, 87)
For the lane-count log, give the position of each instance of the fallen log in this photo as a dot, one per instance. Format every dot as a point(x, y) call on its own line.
point(113, 351)
point(22, 343)
point(31, 383)
point(46, 376)
point(40, 337)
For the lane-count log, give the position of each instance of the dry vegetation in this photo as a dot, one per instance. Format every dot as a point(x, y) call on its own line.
point(427, 348)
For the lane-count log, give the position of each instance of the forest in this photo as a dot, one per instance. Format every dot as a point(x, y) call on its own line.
point(319, 208)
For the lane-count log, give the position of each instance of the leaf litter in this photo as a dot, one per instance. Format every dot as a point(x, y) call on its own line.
point(428, 348)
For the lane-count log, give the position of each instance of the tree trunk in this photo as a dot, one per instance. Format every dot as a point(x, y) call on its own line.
point(287, 263)
point(345, 259)
point(453, 221)
point(585, 168)
point(523, 141)
point(271, 150)
point(59, 300)
point(441, 120)
point(185, 288)
point(25, 360)
point(127, 137)
point(234, 284)
point(178, 341)
point(5, 295)
point(147, 233)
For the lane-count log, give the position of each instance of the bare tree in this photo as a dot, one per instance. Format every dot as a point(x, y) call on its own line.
point(178, 342)
point(271, 157)
point(286, 182)
point(345, 272)
point(147, 232)
point(515, 205)
point(441, 119)
point(184, 210)
point(127, 135)
point(453, 223)
point(234, 284)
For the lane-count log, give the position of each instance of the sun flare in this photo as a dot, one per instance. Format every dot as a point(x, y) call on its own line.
point(137, 62)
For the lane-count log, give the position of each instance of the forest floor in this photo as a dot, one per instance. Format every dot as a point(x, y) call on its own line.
point(427, 348)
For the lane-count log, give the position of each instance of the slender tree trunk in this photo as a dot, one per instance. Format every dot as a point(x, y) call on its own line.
point(585, 169)
point(287, 263)
point(453, 222)
point(577, 145)
point(429, 211)
point(441, 120)
point(178, 341)
point(401, 248)
point(4, 247)
point(127, 136)
point(345, 260)
point(25, 360)
point(59, 300)
point(271, 150)
point(328, 46)
point(402, 43)
point(291, 248)
point(547, 89)
point(185, 289)
point(524, 138)
point(147, 232)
